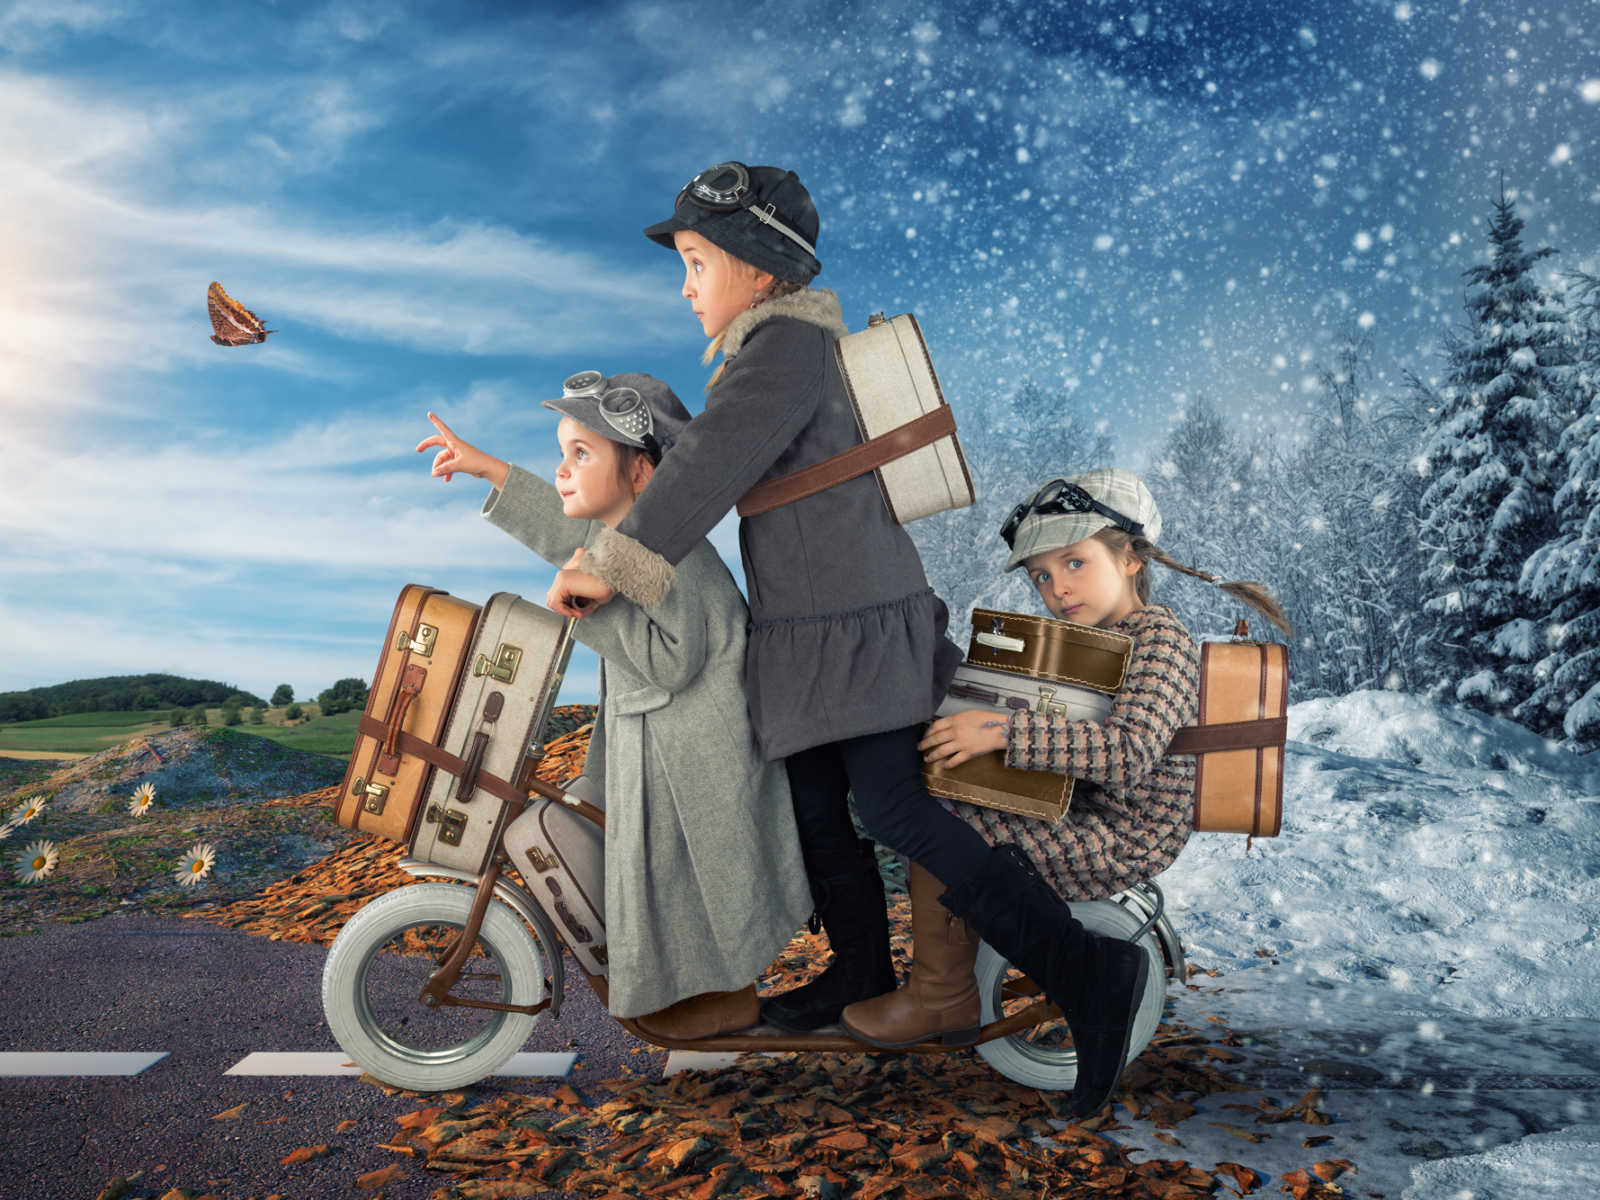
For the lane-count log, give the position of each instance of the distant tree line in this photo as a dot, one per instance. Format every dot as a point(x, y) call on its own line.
point(117, 693)
point(1441, 537)
point(185, 700)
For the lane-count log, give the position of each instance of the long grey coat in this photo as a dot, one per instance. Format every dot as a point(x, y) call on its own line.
point(704, 880)
point(847, 636)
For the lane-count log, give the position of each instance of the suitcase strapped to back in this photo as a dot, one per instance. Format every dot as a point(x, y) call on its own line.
point(1039, 663)
point(1238, 738)
point(908, 431)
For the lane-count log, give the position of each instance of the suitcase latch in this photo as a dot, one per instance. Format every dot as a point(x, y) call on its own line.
point(374, 795)
point(1048, 703)
point(542, 861)
point(421, 644)
point(504, 666)
point(452, 824)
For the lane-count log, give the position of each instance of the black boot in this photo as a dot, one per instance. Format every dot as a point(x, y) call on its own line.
point(1097, 982)
point(851, 905)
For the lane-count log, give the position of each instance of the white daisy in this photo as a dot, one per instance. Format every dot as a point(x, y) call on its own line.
point(28, 810)
point(143, 798)
point(37, 861)
point(196, 864)
point(6, 830)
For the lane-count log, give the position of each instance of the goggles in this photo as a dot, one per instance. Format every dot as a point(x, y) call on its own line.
point(622, 408)
point(726, 188)
point(1059, 496)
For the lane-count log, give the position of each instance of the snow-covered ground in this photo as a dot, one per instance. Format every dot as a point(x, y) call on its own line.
point(1429, 919)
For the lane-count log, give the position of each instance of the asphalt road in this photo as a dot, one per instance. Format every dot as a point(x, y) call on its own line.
point(210, 996)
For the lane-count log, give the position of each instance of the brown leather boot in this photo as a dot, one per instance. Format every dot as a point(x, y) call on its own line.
point(705, 1015)
point(940, 996)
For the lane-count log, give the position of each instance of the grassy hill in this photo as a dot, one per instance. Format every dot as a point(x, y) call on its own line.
point(92, 732)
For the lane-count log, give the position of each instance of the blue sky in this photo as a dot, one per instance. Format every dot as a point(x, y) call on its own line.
point(1133, 204)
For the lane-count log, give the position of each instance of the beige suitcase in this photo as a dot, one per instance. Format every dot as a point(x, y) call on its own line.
point(507, 689)
point(1239, 735)
point(561, 857)
point(908, 431)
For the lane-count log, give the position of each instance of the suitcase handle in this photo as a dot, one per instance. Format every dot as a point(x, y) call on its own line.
point(1000, 641)
point(410, 689)
point(467, 783)
point(968, 691)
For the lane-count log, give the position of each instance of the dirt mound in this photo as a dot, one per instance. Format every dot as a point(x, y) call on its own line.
point(189, 768)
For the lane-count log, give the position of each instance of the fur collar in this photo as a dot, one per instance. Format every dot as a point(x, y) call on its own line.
point(819, 306)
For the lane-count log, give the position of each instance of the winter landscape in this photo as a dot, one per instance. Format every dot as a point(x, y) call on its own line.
point(1326, 274)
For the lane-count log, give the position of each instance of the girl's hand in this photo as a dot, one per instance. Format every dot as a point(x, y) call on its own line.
point(575, 592)
point(951, 741)
point(457, 455)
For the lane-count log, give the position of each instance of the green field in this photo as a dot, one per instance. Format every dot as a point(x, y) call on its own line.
point(89, 733)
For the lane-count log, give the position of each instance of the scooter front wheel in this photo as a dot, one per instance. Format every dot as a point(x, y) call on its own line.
point(1043, 1057)
point(385, 954)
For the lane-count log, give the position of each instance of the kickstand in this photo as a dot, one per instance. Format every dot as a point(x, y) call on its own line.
point(449, 970)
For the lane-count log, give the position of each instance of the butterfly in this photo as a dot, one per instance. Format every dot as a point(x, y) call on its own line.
point(235, 324)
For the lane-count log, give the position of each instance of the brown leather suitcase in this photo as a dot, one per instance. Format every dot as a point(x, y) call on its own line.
point(419, 672)
point(1017, 660)
point(1048, 649)
point(1238, 738)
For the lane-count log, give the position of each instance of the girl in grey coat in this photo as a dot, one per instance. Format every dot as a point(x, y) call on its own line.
point(847, 657)
point(704, 882)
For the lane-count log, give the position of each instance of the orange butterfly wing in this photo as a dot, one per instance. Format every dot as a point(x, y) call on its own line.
point(235, 324)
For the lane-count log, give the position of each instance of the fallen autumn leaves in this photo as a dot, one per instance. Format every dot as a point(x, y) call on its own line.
point(877, 1127)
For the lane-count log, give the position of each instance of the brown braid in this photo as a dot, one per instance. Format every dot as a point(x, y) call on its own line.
point(1247, 592)
point(778, 287)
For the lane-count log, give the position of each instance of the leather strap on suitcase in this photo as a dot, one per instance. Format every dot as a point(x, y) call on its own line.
point(499, 788)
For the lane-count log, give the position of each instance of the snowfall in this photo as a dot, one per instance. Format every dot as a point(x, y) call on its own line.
point(1420, 943)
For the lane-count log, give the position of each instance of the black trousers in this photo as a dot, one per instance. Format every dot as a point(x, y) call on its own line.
point(883, 772)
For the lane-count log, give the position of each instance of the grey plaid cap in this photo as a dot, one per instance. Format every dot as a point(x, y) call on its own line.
point(1113, 487)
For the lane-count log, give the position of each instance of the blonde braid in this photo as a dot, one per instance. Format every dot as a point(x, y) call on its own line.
point(1247, 592)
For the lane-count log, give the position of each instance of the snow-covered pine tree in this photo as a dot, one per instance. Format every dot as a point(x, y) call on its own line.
point(1563, 576)
point(1349, 583)
point(1488, 457)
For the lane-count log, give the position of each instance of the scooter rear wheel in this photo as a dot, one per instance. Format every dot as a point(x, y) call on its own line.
point(382, 958)
point(1043, 1057)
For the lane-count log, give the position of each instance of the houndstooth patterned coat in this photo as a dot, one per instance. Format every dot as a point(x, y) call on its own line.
point(1132, 806)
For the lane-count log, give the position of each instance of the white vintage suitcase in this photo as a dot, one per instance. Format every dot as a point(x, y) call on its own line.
point(891, 382)
point(561, 857)
point(986, 780)
point(908, 431)
point(512, 675)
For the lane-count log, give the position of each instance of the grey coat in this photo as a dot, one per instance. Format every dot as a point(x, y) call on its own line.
point(704, 880)
point(847, 637)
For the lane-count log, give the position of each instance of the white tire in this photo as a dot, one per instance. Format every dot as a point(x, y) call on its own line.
point(370, 988)
point(1043, 1057)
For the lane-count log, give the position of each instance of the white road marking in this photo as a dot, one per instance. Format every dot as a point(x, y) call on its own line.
point(78, 1062)
point(336, 1062)
point(698, 1060)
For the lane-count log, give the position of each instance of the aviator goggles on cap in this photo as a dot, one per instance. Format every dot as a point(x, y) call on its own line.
point(1059, 496)
point(726, 188)
point(622, 408)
